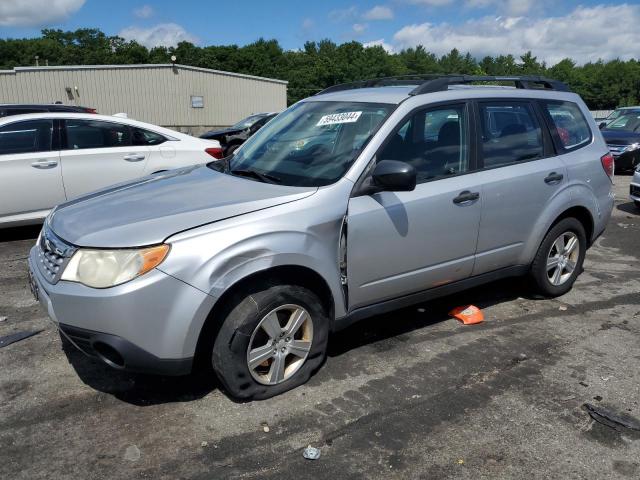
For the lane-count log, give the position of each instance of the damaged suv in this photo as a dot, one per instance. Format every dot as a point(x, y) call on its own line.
point(360, 200)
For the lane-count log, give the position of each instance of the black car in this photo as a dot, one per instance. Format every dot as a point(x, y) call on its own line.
point(231, 138)
point(623, 138)
point(8, 109)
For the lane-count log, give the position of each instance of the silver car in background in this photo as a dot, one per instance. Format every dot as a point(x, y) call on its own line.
point(362, 199)
point(634, 189)
point(49, 158)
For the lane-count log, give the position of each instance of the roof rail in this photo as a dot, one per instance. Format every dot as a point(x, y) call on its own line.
point(430, 83)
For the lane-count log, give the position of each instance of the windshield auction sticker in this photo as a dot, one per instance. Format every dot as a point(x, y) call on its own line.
point(334, 118)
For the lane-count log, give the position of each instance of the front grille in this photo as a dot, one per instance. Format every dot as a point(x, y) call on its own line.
point(53, 255)
point(617, 150)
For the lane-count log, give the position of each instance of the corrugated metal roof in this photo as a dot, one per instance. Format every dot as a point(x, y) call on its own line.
point(139, 66)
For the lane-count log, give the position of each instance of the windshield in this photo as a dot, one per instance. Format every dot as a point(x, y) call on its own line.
point(247, 122)
point(626, 123)
point(311, 144)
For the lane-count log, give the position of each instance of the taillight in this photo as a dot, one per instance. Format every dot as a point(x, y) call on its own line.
point(608, 164)
point(215, 152)
point(90, 110)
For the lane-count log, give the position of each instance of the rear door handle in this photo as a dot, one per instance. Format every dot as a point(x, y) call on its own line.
point(553, 178)
point(44, 164)
point(466, 197)
point(134, 157)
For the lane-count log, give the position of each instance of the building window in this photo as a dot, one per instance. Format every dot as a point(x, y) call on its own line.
point(197, 102)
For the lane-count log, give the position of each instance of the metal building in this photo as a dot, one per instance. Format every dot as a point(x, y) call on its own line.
point(185, 98)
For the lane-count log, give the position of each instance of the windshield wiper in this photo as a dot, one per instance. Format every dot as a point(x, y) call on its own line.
point(263, 177)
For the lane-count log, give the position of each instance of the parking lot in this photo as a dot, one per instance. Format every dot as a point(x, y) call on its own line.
point(412, 394)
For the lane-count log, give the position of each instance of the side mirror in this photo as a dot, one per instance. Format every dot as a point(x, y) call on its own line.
point(393, 176)
point(602, 125)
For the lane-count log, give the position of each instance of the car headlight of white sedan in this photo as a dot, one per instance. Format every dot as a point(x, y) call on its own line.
point(108, 268)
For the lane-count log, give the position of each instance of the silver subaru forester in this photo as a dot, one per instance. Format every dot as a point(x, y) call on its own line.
point(360, 200)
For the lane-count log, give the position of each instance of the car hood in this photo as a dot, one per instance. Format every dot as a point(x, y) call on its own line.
point(220, 133)
point(149, 210)
point(616, 137)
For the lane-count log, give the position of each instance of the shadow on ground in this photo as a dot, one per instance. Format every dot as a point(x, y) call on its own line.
point(143, 390)
point(629, 207)
point(20, 233)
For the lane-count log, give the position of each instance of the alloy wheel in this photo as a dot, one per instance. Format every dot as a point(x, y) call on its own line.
point(563, 258)
point(280, 344)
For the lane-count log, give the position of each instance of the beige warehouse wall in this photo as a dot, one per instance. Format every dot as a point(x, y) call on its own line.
point(154, 94)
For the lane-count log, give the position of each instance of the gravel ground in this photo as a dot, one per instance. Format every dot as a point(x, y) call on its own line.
point(412, 394)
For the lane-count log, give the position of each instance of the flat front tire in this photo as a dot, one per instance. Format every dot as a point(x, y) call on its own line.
point(273, 338)
point(559, 259)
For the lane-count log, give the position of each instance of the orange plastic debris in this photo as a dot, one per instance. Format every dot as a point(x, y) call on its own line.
point(468, 314)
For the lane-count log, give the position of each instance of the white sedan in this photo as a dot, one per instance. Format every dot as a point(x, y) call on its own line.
point(49, 158)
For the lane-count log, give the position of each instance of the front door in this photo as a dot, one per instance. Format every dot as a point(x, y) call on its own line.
point(99, 154)
point(403, 242)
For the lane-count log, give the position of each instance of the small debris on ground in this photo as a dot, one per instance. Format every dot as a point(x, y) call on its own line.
point(204, 444)
point(460, 461)
point(583, 384)
point(16, 337)
point(562, 308)
point(597, 398)
point(617, 421)
point(265, 427)
point(3, 319)
point(132, 453)
point(311, 453)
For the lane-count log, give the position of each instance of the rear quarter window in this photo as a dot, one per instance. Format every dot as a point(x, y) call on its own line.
point(569, 128)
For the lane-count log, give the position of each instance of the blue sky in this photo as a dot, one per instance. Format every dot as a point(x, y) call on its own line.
point(551, 29)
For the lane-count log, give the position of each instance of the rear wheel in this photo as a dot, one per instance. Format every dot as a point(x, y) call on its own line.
point(273, 339)
point(559, 259)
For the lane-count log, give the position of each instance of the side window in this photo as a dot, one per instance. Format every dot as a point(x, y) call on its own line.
point(145, 137)
point(96, 134)
point(26, 137)
point(434, 141)
point(510, 133)
point(570, 125)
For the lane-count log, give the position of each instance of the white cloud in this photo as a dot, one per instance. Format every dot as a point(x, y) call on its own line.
point(342, 14)
point(379, 12)
point(379, 43)
point(584, 35)
point(359, 28)
point(145, 11)
point(165, 34)
point(36, 13)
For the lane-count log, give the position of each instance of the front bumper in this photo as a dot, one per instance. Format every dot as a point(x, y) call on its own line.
point(634, 190)
point(150, 324)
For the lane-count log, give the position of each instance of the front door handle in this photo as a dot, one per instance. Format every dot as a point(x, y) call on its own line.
point(553, 178)
point(466, 198)
point(44, 164)
point(134, 157)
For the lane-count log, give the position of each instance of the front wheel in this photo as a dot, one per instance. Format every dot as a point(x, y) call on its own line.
point(274, 337)
point(559, 259)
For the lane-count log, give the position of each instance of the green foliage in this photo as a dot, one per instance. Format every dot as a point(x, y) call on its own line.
point(321, 64)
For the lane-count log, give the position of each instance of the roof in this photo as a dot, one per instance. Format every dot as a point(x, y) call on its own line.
point(138, 67)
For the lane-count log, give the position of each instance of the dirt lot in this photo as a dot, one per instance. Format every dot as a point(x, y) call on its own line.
point(412, 394)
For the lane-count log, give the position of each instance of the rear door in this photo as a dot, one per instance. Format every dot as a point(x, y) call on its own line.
point(97, 154)
point(30, 175)
point(520, 176)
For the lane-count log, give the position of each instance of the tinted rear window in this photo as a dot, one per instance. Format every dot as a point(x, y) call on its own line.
point(571, 128)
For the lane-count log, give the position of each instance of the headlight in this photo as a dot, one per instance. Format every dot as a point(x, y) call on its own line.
point(632, 147)
point(108, 268)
